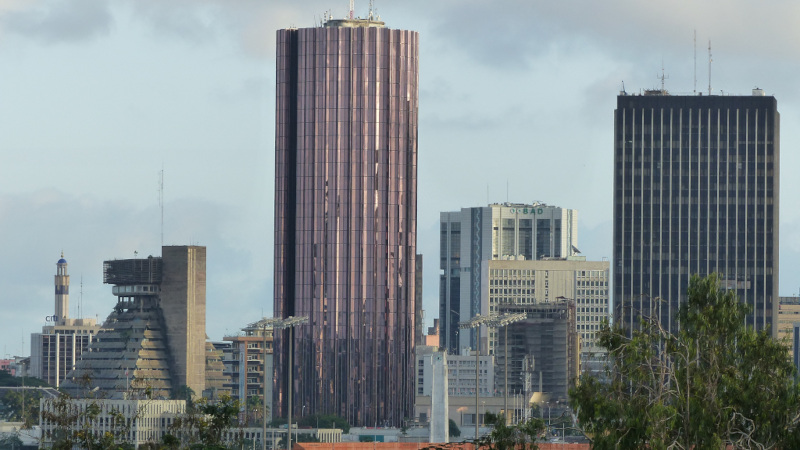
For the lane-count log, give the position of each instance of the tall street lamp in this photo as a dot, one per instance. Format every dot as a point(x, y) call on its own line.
point(505, 320)
point(290, 322)
point(264, 324)
point(476, 322)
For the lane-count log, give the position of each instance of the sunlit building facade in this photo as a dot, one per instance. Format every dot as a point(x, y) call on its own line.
point(345, 219)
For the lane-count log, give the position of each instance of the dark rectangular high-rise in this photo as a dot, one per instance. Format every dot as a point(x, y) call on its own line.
point(695, 192)
point(345, 218)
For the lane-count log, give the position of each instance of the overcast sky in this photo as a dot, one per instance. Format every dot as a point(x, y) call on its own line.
point(516, 103)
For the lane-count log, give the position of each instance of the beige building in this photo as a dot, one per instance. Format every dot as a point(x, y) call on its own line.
point(512, 282)
point(144, 420)
point(788, 314)
point(58, 347)
point(247, 360)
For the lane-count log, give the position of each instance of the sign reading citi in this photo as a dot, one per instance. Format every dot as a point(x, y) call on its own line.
point(51, 318)
point(527, 211)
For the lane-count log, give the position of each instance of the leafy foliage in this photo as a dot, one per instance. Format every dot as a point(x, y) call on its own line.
point(505, 437)
point(8, 380)
point(205, 425)
point(453, 428)
point(12, 408)
point(715, 383)
point(325, 421)
point(75, 427)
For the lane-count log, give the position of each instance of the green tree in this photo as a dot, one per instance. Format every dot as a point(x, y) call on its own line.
point(12, 407)
point(715, 383)
point(505, 437)
point(324, 421)
point(75, 426)
point(205, 425)
point(453, 429)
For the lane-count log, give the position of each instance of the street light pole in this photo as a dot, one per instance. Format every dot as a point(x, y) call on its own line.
point(263, 323)
point(290, 322)
point(476, 322)
point(504, 321)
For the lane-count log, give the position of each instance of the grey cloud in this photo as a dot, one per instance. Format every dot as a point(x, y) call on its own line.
point(56, 21)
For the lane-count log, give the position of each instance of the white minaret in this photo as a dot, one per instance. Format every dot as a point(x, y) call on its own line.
point(62, 292)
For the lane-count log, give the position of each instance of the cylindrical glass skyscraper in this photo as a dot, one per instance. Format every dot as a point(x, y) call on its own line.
point(345, 219)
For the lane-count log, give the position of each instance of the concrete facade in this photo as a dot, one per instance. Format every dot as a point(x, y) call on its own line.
point(145, 420)
point(539, 282)
point(247, 359)
point(155, 337)
point(183, 302)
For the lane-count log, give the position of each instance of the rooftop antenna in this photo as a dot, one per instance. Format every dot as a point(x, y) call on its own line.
point(694, 90)
point(80, 300)
point(709, 67)
point(161, 201)
point(351, 9)
point(371, 9)
point(663, 77)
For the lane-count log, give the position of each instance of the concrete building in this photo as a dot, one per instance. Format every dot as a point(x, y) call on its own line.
point(248, 358)
point(507, 231)
point(345, 219)
point(58, 347)
point(696, 191)
point(460, 373)
point(508, 283)
point(143, 421)
point(217, 381)
point(543, 350)
point(154, 340)
point(788, 314)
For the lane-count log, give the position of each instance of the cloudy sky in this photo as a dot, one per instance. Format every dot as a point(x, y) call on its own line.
point(516, 103)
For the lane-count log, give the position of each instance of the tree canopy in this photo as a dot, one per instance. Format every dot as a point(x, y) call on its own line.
point(714, 383)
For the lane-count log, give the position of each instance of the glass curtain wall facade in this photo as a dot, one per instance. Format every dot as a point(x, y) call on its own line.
point(345, 219)
point(695, 192)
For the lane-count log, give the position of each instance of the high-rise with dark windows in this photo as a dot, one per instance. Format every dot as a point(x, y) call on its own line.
point(345, 219)
point(695, 192)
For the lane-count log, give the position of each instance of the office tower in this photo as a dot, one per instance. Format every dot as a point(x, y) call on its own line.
point(586, 283)
point(57, 348)
point(345, 219)
point(154, 340)
point(695, 192)
point(498, 231)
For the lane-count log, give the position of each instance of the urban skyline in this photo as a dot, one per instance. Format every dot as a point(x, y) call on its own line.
point(71, 195)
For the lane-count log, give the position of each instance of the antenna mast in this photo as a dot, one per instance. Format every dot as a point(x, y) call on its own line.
point(662, 78)
point(161, 201)
point(709, 67)
point(695, 63)
point(351, 8)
